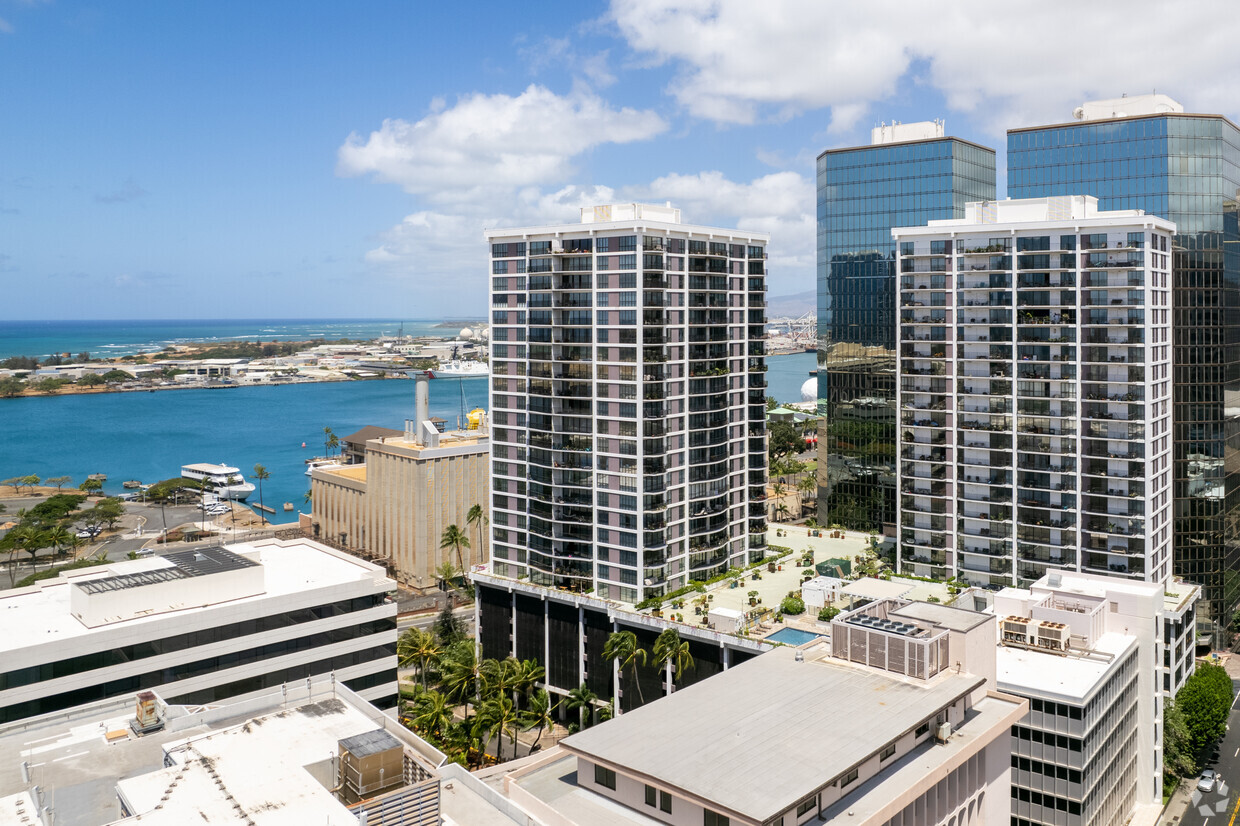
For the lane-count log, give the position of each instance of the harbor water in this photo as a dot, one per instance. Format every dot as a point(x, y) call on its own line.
point(148, 436)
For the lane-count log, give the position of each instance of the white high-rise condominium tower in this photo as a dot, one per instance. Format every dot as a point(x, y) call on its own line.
point(628, 398)
point(1035, 393)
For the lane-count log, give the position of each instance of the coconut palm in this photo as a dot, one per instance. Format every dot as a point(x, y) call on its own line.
point(498, 716)
point(478, 518)
point(540, 714)
point(329, 440)
point(261, 473)
point(432, 713)
point(621, 647)
point(782, 512)
point(420, 647)
point(672, 651)
point(581, 700)
point(528, 673)
point(454, 537)
point(462, 671)
point(60, 538)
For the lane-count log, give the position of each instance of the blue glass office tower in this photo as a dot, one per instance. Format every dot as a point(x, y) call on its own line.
point(862, 193)
point(1185, 168)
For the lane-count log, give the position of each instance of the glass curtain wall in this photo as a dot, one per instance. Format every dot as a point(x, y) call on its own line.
point(862, 193)
point(1185, 168)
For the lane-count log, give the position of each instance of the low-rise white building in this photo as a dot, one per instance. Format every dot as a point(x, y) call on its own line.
point(199, 626)
point(898, 724)
point(1088, 653)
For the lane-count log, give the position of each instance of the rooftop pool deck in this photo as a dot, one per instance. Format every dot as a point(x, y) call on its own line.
point(793, 636)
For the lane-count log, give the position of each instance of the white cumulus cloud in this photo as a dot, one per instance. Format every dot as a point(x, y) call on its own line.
point(490, 142)
point(738, 62)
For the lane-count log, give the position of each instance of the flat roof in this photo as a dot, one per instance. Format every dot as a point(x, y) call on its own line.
point(40, 614)
point(179, 565)
point(946, 616)
point(1223, 118)
point(843, 149)
point(869, 587)
point(1070, 677)
point(597, 228)
point(726, 740)
point(264, 762)
point(879, 798)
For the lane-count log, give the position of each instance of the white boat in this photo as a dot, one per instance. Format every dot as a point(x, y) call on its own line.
point(315, 464)
point(462, 368)
point(226, 481)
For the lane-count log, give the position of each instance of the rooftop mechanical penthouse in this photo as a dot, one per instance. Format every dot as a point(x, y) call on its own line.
point(199, 626)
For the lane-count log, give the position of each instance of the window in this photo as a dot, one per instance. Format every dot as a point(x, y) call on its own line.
point(651, 795)
point(710, 818)
point(906, 247)
point(665, 802)
point(922, 729)
point(887, 752)
point(848, 778)
point(627, 243)
point(605, 777)
point(806, 805)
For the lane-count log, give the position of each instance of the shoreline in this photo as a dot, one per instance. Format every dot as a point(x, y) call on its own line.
point(69, 390)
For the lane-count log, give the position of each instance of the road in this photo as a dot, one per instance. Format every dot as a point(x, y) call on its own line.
point(1222, 806)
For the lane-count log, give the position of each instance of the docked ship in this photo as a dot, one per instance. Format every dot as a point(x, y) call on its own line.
point(462, 368)
point(226, 481)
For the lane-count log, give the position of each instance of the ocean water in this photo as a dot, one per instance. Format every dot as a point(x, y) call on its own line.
point(122, 338)
point(148, 436)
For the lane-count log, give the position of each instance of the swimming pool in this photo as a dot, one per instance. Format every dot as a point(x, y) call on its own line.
point(793, 636)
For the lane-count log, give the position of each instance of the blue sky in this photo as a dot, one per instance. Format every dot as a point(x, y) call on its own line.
point(311, 159)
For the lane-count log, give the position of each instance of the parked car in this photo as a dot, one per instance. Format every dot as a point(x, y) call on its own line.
point(1207, 781)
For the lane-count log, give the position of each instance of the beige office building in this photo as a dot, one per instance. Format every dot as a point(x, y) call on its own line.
point(395, 506)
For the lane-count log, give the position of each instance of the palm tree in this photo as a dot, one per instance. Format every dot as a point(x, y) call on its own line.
point(432, 713)
point(454, 537)
point(461, 672)
point(418, 646)
point(781, 512)
point(540, 714)
point(778, 488)
point(261, 473)
point(447, 572)
point(478, 518)
point(807, 486)
point(60, 538)
point(581, 700)
point(622, 648)
point(671, 650)
point(327, 440)
point(528, 673)
point(497, 717)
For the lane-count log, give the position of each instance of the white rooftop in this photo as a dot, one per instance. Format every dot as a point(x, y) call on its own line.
point(263, 762)
point(43, 613)
point(1071, 677)
point(896, 132)
point(1127, 107)
point(727, 739)
point(603, 213)
point(1054, 209)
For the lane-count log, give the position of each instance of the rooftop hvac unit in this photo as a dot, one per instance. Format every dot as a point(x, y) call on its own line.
point(943, 732)
point(1053, 635)
point(146, 714)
